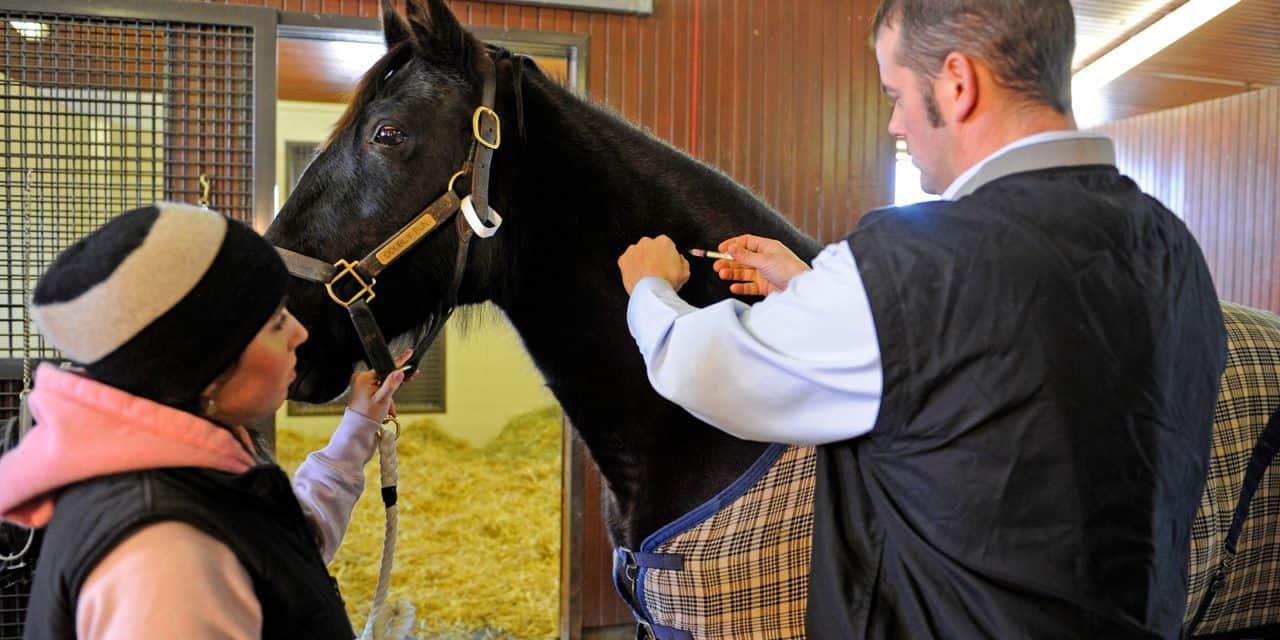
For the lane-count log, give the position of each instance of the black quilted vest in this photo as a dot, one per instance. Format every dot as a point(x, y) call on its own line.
point(255, 514)
point(1052, 346)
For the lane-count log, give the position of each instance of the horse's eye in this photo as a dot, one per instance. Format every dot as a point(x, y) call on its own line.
point(389, 135)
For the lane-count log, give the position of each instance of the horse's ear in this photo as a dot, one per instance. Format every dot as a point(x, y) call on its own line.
point(394, 29)
point(436, 32)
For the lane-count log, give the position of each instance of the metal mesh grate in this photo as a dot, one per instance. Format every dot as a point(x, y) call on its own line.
point(99, 115)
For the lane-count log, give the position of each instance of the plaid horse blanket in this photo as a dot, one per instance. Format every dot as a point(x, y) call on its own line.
point(1249, 599)
point(743, 570)
point(738, 566)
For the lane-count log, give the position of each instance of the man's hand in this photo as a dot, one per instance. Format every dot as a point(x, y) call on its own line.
point(759, 267)
point(653, 257)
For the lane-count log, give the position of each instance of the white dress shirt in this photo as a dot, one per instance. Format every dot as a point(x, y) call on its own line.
point(803, 365)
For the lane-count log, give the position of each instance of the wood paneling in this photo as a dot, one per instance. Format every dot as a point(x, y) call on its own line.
point(1217, 164)
point(322, 70)
point(601, 606)
point(1239, 51)
point(1141, 93)
point(329, 71)
point(1241, 45)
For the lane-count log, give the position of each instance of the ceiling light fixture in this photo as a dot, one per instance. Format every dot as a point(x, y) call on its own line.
point(1147, 43)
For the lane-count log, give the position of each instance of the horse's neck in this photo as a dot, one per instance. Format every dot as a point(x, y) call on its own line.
point(580, 188)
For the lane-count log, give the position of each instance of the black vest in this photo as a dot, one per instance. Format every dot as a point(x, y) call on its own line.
point(1052, 346)
point(255, 514)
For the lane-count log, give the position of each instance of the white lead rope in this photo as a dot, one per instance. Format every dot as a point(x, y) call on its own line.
point(396, 622)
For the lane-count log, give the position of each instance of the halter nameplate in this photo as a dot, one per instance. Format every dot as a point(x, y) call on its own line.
point(406, 239)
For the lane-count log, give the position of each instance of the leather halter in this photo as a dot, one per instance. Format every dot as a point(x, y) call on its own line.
point(486, 130)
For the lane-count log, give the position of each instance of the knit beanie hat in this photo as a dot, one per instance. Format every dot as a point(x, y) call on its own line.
point(161, 300)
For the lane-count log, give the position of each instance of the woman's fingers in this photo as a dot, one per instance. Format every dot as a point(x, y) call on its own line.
point(388, 387)
point(404, 357)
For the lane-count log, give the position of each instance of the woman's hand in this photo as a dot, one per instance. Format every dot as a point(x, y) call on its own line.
point(373, 400)
point(759, 267)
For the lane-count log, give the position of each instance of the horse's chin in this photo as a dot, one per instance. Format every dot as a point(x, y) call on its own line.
point(406, 340)
point(314, 388)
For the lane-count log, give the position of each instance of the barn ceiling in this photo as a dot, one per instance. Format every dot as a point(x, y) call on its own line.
point(1235, 52)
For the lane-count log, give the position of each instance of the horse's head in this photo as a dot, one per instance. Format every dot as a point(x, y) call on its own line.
point(407, 130)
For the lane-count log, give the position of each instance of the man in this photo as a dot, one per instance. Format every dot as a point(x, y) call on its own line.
point(1012, 387)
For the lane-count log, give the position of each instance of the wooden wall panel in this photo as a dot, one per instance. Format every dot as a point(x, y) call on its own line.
point(1217, 164)
point(783, 97)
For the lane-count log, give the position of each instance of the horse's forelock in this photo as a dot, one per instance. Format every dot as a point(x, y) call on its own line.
point(372, 81)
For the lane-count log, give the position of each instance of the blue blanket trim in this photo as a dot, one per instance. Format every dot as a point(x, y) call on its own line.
point(656, 630)
point(668, 561)
point(704, 511)
point(619, 562)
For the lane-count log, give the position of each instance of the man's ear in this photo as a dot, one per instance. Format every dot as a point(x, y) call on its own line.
point(437, 34)
point(960, 87)
point(394, 29)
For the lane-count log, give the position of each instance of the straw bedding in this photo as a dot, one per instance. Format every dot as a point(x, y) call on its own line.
point(479, 545)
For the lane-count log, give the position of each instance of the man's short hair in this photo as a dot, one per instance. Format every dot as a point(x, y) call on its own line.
point(1027, 44)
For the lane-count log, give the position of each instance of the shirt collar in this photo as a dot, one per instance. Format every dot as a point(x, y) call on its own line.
point(1040, 151)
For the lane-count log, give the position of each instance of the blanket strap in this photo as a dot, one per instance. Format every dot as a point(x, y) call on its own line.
point(1263, 453)
point(626, 577)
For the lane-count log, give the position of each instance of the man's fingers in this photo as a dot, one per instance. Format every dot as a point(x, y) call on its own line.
point(740, 274)
point(745, 289)
point(727, 246)
point(745, 240)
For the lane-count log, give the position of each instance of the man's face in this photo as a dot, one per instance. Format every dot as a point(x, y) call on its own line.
point(916, 117)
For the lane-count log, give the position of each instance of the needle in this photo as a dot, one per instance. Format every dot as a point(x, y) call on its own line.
point(703, 253)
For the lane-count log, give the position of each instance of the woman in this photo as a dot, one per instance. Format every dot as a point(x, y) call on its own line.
point(165, 517)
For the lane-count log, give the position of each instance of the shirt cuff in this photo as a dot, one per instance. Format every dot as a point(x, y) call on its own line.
point(352, 444)
point(654, 306)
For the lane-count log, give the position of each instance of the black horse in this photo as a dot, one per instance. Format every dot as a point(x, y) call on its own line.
point(575, 185)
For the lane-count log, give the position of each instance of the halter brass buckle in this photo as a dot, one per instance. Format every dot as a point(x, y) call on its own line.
point(497, 127)
point(455, 176)
point(349, 268)
point(390, 419)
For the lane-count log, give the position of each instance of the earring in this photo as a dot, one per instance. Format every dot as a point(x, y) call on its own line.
point(210, 407)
